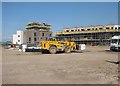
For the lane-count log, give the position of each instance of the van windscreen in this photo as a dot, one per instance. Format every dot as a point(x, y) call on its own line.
point(114, 40)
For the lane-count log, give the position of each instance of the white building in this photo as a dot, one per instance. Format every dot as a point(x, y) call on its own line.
point(14, 38)
point(33, 34)
point(30, 36)
point(18, 38)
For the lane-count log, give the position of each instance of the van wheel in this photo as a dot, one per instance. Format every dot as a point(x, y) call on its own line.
point(52, 49)
point(67, 49)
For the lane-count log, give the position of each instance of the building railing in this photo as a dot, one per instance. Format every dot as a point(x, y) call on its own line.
point(38, 26)
point(88, 39)
point(91, 31)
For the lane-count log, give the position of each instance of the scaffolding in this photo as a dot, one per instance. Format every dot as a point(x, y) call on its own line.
point(92, 36)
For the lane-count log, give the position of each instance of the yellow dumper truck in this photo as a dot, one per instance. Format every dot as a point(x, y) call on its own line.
point(54, 46)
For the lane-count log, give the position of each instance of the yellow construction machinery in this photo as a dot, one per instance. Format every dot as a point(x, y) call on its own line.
point(53, 46)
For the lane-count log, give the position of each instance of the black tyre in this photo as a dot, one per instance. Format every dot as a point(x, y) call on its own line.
point(111, 49)
point(68, 49)
point(52, 49)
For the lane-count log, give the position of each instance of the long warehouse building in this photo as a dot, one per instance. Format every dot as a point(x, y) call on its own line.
point(89, 35)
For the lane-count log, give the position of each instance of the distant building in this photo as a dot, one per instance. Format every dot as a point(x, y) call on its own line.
point(89, 35)
point(34, 33)
point(18, 38)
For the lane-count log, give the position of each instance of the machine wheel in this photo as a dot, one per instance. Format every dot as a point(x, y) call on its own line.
point(67, 49)
point(52, 49)
point(111, 49)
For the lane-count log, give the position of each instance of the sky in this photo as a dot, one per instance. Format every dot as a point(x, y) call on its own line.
point(15, 15)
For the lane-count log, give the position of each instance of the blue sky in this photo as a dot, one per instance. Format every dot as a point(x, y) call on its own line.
point(15, 15)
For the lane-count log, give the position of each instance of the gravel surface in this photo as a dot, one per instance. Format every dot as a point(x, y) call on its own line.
point(88, 67)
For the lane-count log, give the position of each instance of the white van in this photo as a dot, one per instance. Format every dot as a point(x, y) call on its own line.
point(115, 43)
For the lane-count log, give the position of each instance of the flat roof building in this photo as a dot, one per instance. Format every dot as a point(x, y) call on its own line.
point(89, 35)
point(34, 33)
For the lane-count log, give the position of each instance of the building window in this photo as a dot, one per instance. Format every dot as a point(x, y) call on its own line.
point(107, 28)
point(72, 30)
point(82, 29)
point(88, 29)
point(78, 30)
point(42, 34)
point(75, 30)
point(46, 38)
point(35, 39)
point(92, 28)
point(119, 28)
point(115, 27)
point(50, 34)
point(18, 40)
point(18, 35)
point(34, 33)
point(100, 28)
point(67, 30)
point(96, 29)
point(29, 39)
point(111, 27)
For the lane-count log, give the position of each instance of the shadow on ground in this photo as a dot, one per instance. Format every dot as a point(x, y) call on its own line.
point(114, 62)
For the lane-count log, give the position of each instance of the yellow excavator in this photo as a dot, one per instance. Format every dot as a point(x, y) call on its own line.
point(53, 46)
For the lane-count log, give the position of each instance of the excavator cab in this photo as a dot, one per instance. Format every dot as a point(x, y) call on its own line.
point(51, 39)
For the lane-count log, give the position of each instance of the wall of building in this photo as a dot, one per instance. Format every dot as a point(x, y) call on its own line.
point(31, 36)
point(18, 37)
point(14, 38)
point(90, 28)
point(116, 27)
point(35, 36)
